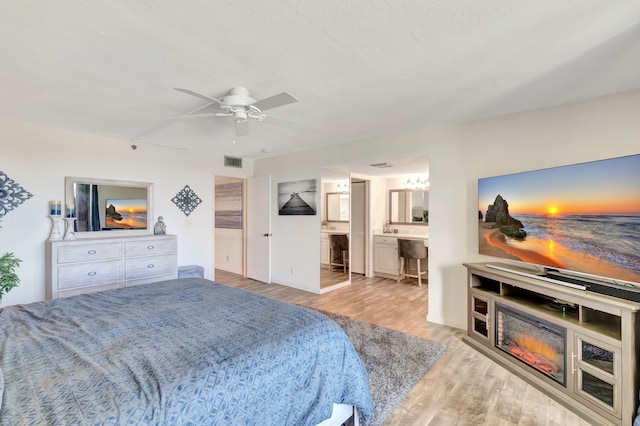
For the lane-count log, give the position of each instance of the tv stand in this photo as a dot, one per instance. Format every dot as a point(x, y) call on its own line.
point(596, 373)
point(620, 290)
point(551, 276)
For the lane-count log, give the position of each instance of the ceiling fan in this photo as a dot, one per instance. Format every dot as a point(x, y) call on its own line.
point(239, 104)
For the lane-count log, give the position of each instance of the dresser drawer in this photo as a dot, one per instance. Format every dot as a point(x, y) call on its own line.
point(150, 265)
point(89, 289)
point(89, 274)
point(89, 252)
point(149, 247)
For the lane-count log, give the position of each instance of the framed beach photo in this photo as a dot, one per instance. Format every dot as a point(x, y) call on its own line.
point(297, 198)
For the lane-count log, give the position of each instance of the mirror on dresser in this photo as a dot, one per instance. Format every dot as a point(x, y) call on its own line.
point(104, 206)
point(409, 206)
point(335, 225)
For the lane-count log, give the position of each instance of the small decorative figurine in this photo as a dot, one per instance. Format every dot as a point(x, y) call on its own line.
point(160, 228)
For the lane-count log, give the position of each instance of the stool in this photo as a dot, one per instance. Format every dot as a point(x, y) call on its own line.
point(338, 251)
point(190, 271)
point(407, 250)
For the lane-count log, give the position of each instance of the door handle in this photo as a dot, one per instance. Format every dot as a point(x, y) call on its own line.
point(266, 235)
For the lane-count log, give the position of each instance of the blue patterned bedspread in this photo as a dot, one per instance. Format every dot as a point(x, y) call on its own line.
point(180, 352)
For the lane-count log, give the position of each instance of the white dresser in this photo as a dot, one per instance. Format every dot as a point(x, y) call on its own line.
point(88, 265)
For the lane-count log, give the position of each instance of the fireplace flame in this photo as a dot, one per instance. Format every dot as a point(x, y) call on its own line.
point(536, 346)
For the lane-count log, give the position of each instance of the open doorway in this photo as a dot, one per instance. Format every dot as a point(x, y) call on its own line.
point(381, 181)
point(229, 225)
point(335, 197)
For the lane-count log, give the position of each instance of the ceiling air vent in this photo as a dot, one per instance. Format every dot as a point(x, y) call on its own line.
point(381, 165)
point(232, 162)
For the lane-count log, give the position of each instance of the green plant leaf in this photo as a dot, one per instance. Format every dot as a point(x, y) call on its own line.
point(8, 277)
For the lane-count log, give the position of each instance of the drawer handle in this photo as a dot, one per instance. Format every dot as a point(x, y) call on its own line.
point(92, 252)
point(92, 273)
point(150, 247)
point(151, 265)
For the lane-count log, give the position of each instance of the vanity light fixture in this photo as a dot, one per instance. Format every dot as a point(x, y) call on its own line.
point(417, 182)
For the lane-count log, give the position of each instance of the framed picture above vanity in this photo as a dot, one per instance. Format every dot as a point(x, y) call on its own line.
point(409, 206)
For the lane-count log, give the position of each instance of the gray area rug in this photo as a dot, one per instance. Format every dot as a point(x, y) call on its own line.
point(395, 361)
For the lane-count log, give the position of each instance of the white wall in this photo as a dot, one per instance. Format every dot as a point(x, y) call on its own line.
point(39, 158)
point(458, 155)
point(229, 250)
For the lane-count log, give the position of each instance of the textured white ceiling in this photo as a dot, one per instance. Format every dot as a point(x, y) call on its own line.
point(359, 68)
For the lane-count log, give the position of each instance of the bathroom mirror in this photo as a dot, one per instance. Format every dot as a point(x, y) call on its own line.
point(337, 205)
point(409, 206)
point(105, 205)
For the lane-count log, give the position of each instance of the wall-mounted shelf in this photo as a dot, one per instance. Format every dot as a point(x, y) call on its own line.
point(604, 388)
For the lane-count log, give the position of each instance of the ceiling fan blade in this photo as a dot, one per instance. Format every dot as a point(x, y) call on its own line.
point(200, 95)
point(242, 127)
point(279, 121)
point(169, 121)
point(274, 101)
point(166, 123)
point(180, 117)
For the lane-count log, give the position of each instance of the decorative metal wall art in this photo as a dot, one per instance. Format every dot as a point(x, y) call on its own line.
point(11, 194)
point(186, 200)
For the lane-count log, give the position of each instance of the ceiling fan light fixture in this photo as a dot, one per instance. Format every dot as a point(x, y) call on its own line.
point(240, 115)
point(239, 104)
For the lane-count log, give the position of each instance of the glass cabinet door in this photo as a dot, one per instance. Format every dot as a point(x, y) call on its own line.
point(480, 316)
point(597, 372)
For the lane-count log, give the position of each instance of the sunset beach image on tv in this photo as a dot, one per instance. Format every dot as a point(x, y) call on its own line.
point(583, 218)
point(126, 214)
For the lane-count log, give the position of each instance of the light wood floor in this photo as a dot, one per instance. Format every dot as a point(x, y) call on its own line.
point(462, 388)
point(330, 278)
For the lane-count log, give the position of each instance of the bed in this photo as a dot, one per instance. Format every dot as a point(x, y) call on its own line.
point(178, 352)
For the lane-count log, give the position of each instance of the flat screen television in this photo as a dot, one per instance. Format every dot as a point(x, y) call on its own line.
point(126, 214)
point(582, 219)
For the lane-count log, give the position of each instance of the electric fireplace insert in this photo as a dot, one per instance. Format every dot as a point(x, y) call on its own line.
point(533, 341)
